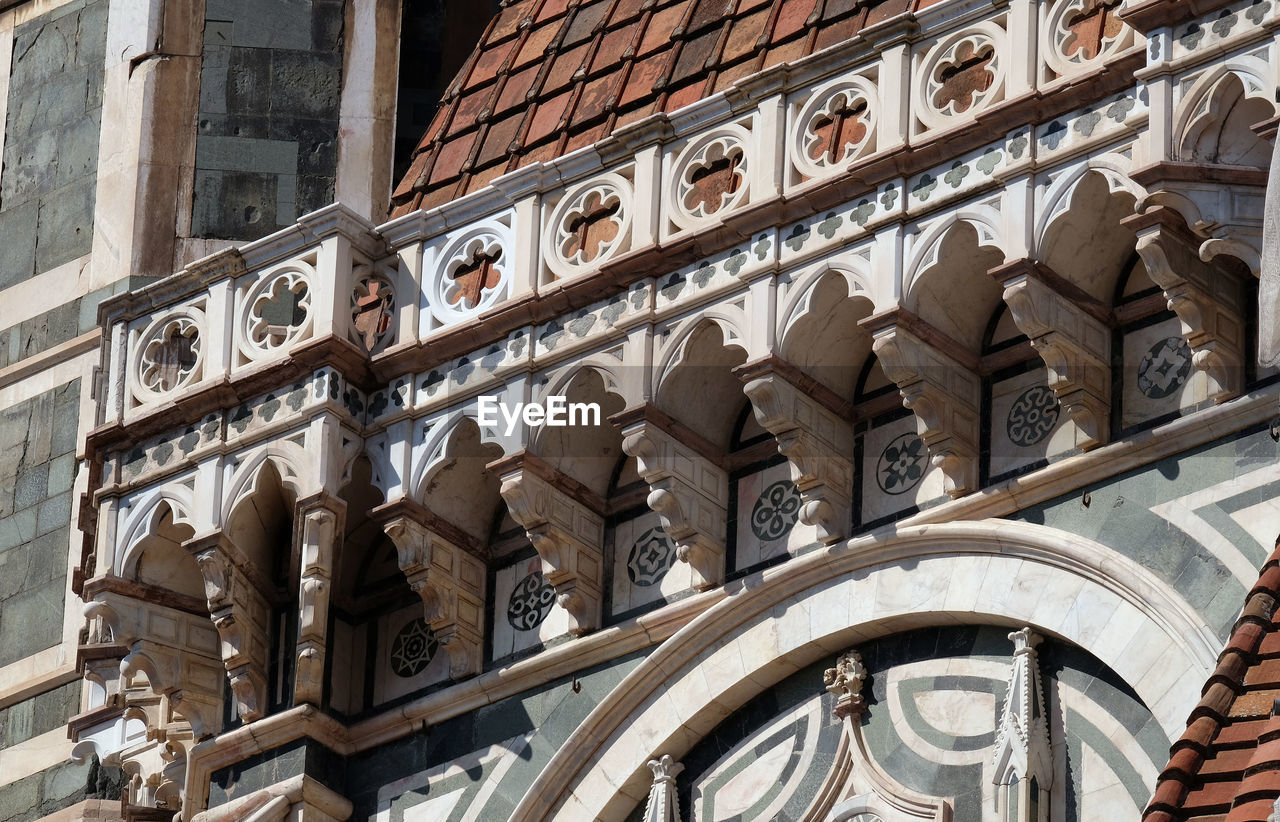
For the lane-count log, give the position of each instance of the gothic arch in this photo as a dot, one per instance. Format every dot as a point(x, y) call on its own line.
point(440, 447)
point(733, 323)
point(824, 602)
point(1204, 116)
point(984, 219)
point(1113, 168)
point(800, 302)
point(290, 462)
point(144, 518)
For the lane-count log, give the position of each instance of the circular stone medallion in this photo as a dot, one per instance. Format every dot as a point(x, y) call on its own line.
point(902, 464)
point(1032, 416)
point(650, 558)
point(776, 511)
point(413, 648)
point(1164, 368)
point(530, 602)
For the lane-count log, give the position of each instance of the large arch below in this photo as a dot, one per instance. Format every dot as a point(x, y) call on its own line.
point(780, 620)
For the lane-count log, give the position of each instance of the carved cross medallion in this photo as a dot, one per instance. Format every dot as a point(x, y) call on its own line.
point(474, 277)
point(842, 128)
point(592, 228)
point(965, 78)
point(1096, 22)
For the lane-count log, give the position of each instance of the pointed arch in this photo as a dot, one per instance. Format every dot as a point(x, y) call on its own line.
point(984, 219)
point(144, 519)
point(822, 603)
point(1204, 113)
point(734, 327)
point(1113, 168)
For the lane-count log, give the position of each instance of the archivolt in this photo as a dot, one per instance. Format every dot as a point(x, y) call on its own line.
point(824, 602)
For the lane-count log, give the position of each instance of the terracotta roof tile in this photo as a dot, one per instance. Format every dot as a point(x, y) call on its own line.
point(709, 12)
point(516, 89)
point(658, 28)
point(681, 97)
point(625, 11)
point(550, 9)
point(564, 67)
point(579, 68)
point(1234, 726)
point(792, 18)
point(586, 20)
point(536, 44)
point(612, 50)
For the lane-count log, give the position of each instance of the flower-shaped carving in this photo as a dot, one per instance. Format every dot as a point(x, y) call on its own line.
point(475, 273)
point(170, 355)
point(373, 303)
point(962, 77)
point(1077, 32)
point(278, 310)
point(590, 227)
point(838, 129)
point(713, 178)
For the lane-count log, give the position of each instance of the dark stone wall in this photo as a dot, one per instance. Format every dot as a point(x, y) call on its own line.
point(37, 469)
point(267, 139)
point(66, 322)
point(58, 787)
point(49, 177)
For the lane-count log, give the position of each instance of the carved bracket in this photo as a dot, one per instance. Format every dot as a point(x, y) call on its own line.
point(1209, 300)
point(942, 391)
point(1069, 333)
point(321, 519)
point(564, 530)
point(241, 614)
point(450, 580)
point(815, 440)
point(687, 490)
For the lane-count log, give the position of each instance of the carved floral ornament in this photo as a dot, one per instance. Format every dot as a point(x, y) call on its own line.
point(962, 74)
point(1080, 32)
point(169, 353)
point(475, 273)
point(835, 126)
point(710, 176)
point(589, 226)
point(277, 310)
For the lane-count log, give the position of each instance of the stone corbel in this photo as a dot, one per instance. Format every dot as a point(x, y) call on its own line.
point(321, 519)
point(445, 568)
point(241, 614)
point(938, 380)
point(688, 490)
point(565, 530)
point(174, 647)
point(1208, 299)
point(816, 440)
point(1071, 333)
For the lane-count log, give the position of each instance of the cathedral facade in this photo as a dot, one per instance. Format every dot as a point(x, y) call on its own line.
point(725, 410)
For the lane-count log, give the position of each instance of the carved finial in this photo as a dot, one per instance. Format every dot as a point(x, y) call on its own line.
point(663, 805)
point(1023, 755)
point(845, 681)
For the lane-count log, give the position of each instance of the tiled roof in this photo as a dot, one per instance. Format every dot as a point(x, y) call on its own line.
point(1226, 767)
point(551, 76)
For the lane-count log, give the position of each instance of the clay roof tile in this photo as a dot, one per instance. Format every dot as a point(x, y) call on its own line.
point(622, 60)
